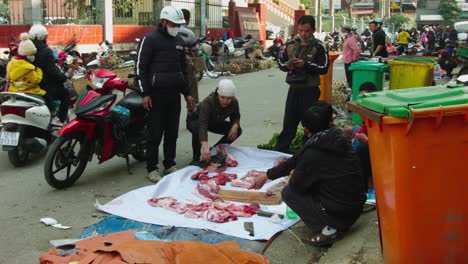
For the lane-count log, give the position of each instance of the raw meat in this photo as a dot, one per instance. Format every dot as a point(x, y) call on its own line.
point(213, 167)
point(219, 216)
point(248, 180)
point(169, 203)
point(218, 211)
point(207, 190)
point(230, 161)
point(221, 178)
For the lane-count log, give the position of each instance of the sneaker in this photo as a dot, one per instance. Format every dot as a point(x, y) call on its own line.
point(154, 176)
point(170, 170)
point(56, 122)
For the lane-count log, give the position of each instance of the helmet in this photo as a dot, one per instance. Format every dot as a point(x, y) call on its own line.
point(354, 28)
point(38, 32)
point(377, 21)
point(346, 26)
point(172, 14)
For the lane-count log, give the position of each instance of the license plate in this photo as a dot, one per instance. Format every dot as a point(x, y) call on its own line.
point(9, 138)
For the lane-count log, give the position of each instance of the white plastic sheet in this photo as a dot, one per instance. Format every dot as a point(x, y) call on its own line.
point(133, 205)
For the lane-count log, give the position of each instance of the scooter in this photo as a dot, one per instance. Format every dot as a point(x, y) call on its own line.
point(98, 129)
point(108, 59)
point(26, 127)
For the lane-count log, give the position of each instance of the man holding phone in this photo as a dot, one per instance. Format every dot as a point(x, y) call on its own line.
point(305, 59)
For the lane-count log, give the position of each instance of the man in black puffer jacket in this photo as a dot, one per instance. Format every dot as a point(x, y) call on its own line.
point(163, 77)
point(53, 79)
point(326, 188)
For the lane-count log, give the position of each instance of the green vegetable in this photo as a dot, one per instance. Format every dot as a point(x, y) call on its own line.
point(295, 146)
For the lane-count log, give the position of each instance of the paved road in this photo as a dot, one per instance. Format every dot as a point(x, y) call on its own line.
point(25, 196)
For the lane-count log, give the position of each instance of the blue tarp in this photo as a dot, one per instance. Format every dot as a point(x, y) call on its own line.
point(112, 224)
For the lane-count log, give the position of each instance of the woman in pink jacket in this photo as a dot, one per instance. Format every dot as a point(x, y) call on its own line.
point(351, 51)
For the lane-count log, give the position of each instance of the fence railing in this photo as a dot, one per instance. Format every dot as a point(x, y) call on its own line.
point(132, 12)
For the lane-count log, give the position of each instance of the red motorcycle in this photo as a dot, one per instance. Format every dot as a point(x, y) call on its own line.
point(99, 128)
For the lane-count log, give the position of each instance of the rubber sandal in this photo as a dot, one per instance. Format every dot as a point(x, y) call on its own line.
point(321, 240)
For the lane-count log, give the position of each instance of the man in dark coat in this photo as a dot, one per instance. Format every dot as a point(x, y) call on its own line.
point(306, 58)
point(53, 78)
point(163, 77)
point(325, 187)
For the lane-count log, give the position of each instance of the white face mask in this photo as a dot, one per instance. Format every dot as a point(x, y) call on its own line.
point(172, 31)
point(31, 58)
point(344, 35)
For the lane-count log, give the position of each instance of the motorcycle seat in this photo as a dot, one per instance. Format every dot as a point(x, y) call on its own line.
point(133, 102)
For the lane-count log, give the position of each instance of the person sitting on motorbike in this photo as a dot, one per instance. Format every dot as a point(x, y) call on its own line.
point(403, 40)
point(275, 49)
point(210, 116)
point(53, 78)
point(24, 77)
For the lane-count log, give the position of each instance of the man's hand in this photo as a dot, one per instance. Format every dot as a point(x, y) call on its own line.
point(147, 103)
point(291, 64)
point(205, 151)
point(260, 181)
point(298, 64)
point(190, 103)
point(233, 132)
point(361, 138)
point(348, 131)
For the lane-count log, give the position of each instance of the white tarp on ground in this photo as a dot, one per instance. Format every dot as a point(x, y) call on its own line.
point(133, 205)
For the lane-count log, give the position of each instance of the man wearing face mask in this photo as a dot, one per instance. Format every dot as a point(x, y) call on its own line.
point(305, 59)
point(351, 51)
point(162, 72)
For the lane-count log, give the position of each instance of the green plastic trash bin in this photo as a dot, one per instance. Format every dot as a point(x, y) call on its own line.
point(366, 71)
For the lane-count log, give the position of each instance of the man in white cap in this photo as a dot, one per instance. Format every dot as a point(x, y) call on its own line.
point(211, 115)
point(162, 73)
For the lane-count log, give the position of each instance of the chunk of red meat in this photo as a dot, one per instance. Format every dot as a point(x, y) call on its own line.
point(230, 160)
point(248, 180)
point(219, 216)
point(207, 190)
point(169, 203)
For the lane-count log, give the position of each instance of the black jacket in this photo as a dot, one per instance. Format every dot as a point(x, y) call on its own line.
point(160, 67)
point(380, 38)
point(326, 170)
point(53, 78)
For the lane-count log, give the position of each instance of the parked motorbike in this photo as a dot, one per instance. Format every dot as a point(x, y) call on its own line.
point(26, 127)
point(107, 58)
point(98, 129)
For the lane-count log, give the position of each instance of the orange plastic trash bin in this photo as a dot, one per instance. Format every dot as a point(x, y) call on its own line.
point(326, 80)
point(418, 140)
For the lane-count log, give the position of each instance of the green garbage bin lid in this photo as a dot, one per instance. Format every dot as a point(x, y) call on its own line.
point(368, 66)
point(416, 59)
point(397, 103)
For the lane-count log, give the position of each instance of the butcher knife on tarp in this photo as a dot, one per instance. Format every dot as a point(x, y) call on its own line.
point(248, 226)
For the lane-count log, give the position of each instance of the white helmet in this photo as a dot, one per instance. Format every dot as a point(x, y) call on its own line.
point(172, 14)
point(38, 32)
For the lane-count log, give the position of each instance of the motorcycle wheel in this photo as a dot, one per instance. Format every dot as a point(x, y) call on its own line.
point(18, 156)
point(66, 153)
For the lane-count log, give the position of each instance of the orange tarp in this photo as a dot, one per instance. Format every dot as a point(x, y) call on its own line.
point(123, 248)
